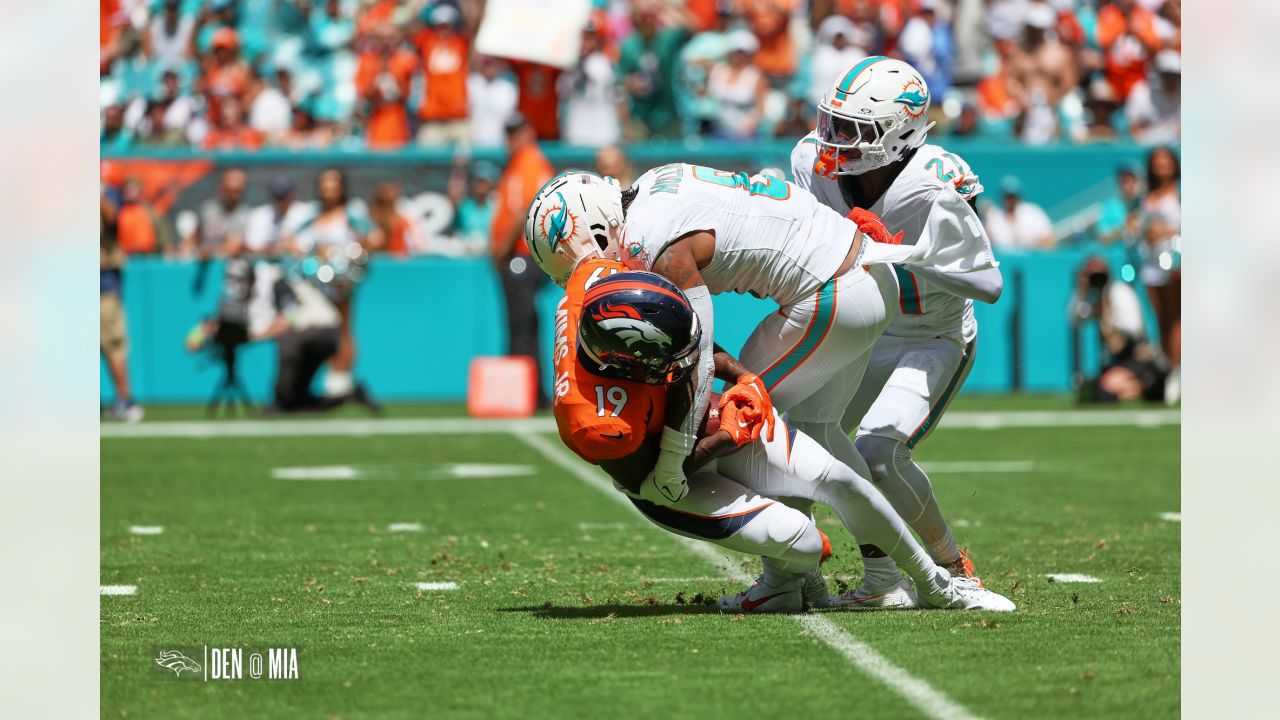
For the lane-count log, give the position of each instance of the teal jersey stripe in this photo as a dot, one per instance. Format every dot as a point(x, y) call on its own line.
point(846, 84)
point(822, 318)
point(908, 292)
point(936, 411)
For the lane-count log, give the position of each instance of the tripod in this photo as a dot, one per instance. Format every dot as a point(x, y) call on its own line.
point(227, 341)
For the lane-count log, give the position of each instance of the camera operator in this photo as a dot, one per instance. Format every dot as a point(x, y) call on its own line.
point(1132, 367)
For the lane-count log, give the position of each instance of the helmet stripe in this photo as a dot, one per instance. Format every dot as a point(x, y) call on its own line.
point(846, 85)
point(599, 290)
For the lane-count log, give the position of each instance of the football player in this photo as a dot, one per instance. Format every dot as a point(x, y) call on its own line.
point(636, 327)
point(869, 151)
point(601, 390)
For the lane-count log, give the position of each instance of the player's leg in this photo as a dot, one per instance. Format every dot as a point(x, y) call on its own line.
point(725, 513)
point(794, 465)
point(927, 375)
point(811, 355)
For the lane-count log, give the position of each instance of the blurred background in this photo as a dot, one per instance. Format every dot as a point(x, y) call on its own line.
point(305, 204)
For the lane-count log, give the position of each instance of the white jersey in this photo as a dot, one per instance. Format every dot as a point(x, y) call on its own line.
point(930, 195)
point(773, 239)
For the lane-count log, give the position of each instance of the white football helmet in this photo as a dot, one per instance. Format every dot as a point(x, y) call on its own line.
point(873, 115)
point(576, 215)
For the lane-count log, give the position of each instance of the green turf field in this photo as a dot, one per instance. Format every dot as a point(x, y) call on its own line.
point(567, 604)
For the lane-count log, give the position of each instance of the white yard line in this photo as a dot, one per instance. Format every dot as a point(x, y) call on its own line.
point(404, 527)
point(431, 586)
point(145, 529)
point(119, 590)
point(479, 426)
point(1072, 578)
point(922, 696)
point(1171, 517)
point(320, 472)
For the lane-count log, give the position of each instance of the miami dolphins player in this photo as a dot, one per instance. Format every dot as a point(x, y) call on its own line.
point(625, 325)
point(869, 151)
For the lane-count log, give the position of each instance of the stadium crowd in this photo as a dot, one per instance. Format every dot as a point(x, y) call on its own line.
point(222, 74)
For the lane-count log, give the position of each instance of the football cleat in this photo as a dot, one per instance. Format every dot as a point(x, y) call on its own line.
point(766, 597)
point(963, 569)
point(899, 596)
point(961, 594)
point(815, 589)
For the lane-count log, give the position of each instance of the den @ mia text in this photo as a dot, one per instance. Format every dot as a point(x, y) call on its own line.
point(218, 663)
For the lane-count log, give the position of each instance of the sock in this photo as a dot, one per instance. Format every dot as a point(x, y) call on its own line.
point(878, 569)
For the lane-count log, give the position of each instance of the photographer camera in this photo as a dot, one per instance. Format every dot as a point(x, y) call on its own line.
point(1131, 366)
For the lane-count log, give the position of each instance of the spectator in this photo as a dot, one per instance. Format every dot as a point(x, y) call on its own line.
point(1050, 61)
point(335, 229)
point(214, 16)
point(222, 220)
point(139, 230)
point(590, 96)
point(382, 82)
point(474, 201)
point(738, 89)
point(918, 45)
point(114, 134)
point(1121, 216)
point(1154, 106)
point(151, 131)
point(270, 224)
point(1100, 105)
point(1018, 223)
point(444, 54)
point(775, 53)
point(331, 30)
point(1161, 265)
point(840, 45)
point(170, 38)
point(181, 108)
point(1127, 37)
point(113, 340)
point(526, 172)
point(647, 66)
point(539, 101)
point(1131, 368)
point(225, 75)
point(966, 124)
point(697, 57)
point(611, 161)
point(491, 102)
point(230, 131)
point(397, 232)
point(270, 111)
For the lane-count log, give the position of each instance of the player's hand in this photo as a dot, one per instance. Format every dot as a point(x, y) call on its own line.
point(741, 424)
point(871, 225)
point(664, 487)
point(752, 404)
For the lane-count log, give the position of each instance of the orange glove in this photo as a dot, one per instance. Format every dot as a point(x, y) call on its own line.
point(752, 402)
point(741, 423)
point(871, 225)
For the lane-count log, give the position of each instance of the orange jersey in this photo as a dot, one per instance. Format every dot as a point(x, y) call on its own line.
point(599, 418)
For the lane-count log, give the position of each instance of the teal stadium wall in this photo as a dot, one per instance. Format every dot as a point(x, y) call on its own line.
point(420, 320)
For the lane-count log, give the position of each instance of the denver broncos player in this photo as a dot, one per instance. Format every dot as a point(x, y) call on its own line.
point(869, 151)
point(636, 327)
point(611, 412)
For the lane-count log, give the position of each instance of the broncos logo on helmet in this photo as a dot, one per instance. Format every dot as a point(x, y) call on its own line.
point(638, 326)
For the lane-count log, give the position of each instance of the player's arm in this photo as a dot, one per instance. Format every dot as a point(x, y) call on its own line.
point(953, 223)
point(679, 263)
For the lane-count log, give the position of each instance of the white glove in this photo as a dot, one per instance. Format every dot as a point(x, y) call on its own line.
point(666, 484)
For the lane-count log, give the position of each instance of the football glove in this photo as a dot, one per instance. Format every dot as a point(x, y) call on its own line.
point(871, 225)
point(752, 405)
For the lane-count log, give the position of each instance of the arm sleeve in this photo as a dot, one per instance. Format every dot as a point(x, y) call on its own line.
point(700, 299)
point(982, 285)
point(605, 441)
point(801, 167)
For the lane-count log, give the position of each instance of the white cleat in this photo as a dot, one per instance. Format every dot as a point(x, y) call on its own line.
point(964, 594)
point(815, 590)
point(899, 596)
point(769, 596)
